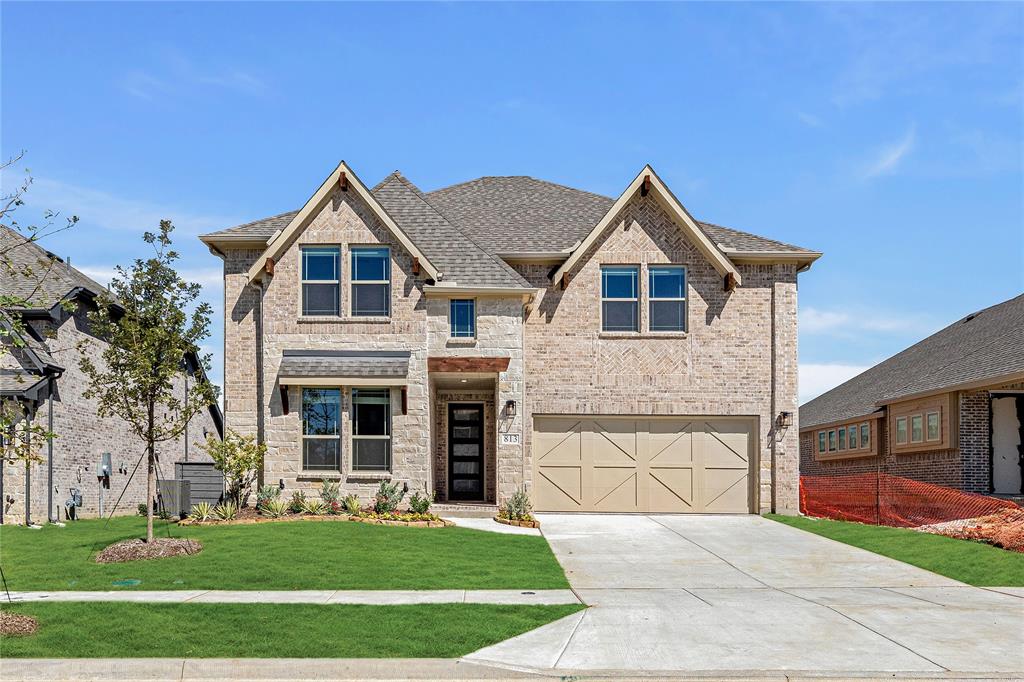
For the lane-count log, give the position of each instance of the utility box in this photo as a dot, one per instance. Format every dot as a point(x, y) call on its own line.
point(175, 497)
point(207, 482)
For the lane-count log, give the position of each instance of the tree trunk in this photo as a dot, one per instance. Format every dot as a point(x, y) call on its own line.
point(151, 477)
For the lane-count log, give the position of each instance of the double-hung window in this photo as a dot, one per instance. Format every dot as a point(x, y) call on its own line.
point(865, 435)
point(667, 294)
point(901, 430)
point(321, 277)
point(321, 435)
point(933, 426)
point(822, 446)
point(371, 429)
point(371, 281)
point(462, 318)
point(916, 429)
point(619, 298)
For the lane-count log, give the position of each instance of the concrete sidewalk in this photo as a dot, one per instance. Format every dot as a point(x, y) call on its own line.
point(379, 597)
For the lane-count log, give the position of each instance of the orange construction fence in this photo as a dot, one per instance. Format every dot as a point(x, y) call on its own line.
point(887, 500)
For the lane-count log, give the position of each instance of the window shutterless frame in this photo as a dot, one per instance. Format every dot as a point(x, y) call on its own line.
point(371, 429)
point(901, 430)
point(371, 281)
point(462, 318)
point(666, 298)
point(933, 425)
point(822, 445)
point(620, 298)
point(321, 429)
point(865, 436)
point(320, 280)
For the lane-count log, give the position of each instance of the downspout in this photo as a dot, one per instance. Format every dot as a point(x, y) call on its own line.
point(186, 402)
point(774, 405)
point(49, 452)
point(260, 426)
point(28, 472)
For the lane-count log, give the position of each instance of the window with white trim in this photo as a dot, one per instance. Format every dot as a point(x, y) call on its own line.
point(462, 318)
point(321, 280)
point(934, 432)
point(822, 445)
point(371, 429)
point(865, 435)
point(371, 281)
point(619, 298)
point(321, 434)
point(666, 298)
point(901, 430)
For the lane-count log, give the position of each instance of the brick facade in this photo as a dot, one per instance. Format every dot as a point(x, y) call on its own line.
point(738, 357)
point(82, 436)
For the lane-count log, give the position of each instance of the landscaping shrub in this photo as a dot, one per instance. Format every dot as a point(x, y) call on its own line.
point(201, 511)
point(141, 509)
point(266, 494)
point(330, 491)
point(420, 504)
point(226, 511)
point(517, 507)
point(351, 504)
point(240, 459)
point(297, 502)
point(275, 508)
point(314, 507)
point(388, 497)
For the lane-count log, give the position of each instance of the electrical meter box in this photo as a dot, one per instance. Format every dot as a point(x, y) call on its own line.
point(104, 468)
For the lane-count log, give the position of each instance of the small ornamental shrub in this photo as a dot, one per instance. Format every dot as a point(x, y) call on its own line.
point(420, 503)
point(141, 509)
point(330, 491)
point(297, 502)
point(517, 507)
point(201, 512)
point(388, 497)
point(314, 507)
point(275, 508)
point(351, 504)
point(265, 494)
point(239, 458)
point(226, 511)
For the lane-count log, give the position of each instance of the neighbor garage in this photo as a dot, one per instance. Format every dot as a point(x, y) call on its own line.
point(643, 464)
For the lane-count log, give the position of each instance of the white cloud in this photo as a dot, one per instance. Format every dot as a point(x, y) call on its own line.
point(855, 322)
point(817, 378)
point(176, 74)
point(112, 212)
point(888, 158)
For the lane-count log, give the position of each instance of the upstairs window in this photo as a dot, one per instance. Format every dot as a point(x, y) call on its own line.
point(901, 430)
point(462, 318)
point(371, 429)
point(619, 299)
point(821, 442)
point(933, 426)
point(321, 440)
point(371, 281)
point(851, 438)
point(667, 293)
point(916, 429)
point(321, 280)
point(842, 438)
point(865, 435)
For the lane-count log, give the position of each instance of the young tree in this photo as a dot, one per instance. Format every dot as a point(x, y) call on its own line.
point(149, 331)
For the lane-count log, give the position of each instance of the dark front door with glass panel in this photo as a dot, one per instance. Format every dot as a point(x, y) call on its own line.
point(465, 452)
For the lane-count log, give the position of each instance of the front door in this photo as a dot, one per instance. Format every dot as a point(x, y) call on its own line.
point(465, 452)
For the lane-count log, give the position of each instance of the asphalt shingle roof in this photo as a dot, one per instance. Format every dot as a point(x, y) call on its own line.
point(497, 215)
point(985, 345)
point(50, 279)
point(368, 364)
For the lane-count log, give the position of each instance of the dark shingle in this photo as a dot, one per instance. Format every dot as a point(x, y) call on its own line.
point(985, 345)
point(368, 364)
point(38, 276)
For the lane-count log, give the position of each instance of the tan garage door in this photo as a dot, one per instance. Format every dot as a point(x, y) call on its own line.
point(642, 464)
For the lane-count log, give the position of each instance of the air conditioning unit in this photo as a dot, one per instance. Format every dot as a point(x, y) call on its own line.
point(175, 497)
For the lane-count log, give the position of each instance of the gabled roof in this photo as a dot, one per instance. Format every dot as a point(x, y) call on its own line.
point(696, 235)
point(983, 348)
point(283, 239)
point(51, 281)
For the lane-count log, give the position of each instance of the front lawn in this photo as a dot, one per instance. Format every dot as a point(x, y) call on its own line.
point(289, 555)
point(125, 630)
point(970, 562)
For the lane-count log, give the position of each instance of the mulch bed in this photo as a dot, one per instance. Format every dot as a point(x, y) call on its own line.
point(16, 624)
point(1004, 529)
point(160, 548)
point(522, 523)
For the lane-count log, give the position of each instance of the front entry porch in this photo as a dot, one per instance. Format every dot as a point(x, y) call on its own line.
point(464, 437)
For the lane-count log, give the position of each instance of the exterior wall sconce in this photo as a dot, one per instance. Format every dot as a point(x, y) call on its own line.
point(784, 420)
point(510, 408)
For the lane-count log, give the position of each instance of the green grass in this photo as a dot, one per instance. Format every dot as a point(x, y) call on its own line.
point(72, 630)
point(970, 562)
point(289, 555)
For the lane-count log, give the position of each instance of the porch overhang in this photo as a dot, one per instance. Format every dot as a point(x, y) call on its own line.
point(343, 368)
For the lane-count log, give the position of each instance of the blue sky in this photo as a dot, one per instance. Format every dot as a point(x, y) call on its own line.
point(890, 137)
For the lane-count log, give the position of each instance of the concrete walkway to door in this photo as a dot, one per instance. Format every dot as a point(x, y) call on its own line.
point(734, 594)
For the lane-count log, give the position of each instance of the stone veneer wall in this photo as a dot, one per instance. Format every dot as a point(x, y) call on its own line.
point(738, 356)
point(82, 437)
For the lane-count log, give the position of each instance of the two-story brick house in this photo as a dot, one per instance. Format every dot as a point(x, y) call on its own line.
point(506, 333)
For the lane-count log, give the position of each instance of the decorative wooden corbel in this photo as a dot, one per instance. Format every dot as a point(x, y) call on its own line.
point(565, 280)
point(730, 281)
point(284, 400)
point(268, 266)
point(416, 266)
point(405, 400)
point(343, 182)
point(646, 187)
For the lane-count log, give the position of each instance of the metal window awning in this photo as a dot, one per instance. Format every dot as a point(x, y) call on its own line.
point(344, 368)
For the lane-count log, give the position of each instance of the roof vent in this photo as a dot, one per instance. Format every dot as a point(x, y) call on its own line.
point(970, 317)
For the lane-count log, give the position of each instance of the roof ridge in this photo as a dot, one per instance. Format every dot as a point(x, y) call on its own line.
point(527, 177)
point(455, 226)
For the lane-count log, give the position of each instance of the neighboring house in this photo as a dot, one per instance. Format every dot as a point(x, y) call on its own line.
point(42, 376)
point(948, 410)
point(509, 333)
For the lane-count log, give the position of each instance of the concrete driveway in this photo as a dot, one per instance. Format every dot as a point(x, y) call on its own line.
point(735, 594)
